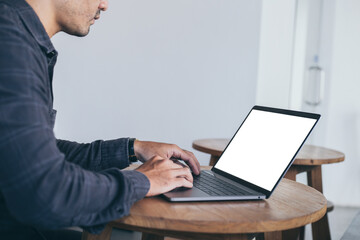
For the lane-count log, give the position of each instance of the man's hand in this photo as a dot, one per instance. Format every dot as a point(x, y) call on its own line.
point(147, 150)
point(165, 175)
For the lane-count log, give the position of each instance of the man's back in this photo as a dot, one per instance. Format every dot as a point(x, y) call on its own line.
point(16, 74)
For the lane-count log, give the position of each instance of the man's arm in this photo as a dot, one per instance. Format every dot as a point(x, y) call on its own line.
point(101, 155)
point(98, 155)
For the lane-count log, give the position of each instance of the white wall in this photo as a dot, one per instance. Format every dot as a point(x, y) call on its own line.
point(339, 50)
point(171, 71)
point(275, 56)
point(343, 126)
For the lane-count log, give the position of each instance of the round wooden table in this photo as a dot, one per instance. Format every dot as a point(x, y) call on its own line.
point(309, 160)
point(291, 205)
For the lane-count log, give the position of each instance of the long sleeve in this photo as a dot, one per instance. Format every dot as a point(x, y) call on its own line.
point(38, 186)
point(98, 155)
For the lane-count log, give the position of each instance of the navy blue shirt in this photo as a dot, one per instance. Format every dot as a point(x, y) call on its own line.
point(47, 183)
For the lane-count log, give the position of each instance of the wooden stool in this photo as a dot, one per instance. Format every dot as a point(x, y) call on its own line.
point(309, 160)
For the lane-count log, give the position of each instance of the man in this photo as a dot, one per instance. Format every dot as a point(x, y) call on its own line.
point(47, 183)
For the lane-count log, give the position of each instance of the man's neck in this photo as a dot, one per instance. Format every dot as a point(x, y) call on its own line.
point(45, 11)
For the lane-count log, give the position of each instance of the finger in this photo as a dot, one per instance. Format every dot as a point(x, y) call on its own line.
point(172, 164)
point(155, 162)
point(182, 182)
point(190, 160)
point(156, 158)
point(193, 163)
point(176, 161)
point(183, 173)
point(193, 157)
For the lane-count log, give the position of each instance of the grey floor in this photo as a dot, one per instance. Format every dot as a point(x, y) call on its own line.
point(339, 220)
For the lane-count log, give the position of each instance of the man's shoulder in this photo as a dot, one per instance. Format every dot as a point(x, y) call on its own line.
point(10, 21)
point(20, 26)
point(14, 37)
point(19, 52)
point(8, 11)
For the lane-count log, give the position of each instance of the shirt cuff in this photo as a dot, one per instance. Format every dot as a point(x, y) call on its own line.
point(140, 183)
point(114, 153)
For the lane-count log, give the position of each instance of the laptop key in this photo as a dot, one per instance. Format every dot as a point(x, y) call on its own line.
point(216, 187)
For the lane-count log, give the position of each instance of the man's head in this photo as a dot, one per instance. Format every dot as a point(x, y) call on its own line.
point(71, 16)
point(76, 16)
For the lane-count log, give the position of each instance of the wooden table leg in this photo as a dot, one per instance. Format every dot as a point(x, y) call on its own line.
point(271, 236)
point(292, 233)
point(314, 177)
point(320, 229)
point(291, 174)
point(149, 236)
point(213, 160)
point(104, 235)
point(297, 233)
point(196, 236)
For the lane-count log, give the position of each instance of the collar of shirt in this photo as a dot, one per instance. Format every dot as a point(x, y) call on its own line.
point(34, 26)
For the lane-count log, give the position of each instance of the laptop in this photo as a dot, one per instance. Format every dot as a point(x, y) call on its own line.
point(255, 160)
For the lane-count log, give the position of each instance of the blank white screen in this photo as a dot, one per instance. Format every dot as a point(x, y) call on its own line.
point(264, 146)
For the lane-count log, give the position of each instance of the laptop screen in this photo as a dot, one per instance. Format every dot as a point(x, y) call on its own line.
point(264, 145)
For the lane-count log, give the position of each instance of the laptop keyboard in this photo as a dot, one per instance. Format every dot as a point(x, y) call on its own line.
point(217, 187)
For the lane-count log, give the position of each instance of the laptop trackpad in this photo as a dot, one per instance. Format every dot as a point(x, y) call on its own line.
point(186, 192)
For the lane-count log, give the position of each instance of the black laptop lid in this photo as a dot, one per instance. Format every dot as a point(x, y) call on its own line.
point(264, 147)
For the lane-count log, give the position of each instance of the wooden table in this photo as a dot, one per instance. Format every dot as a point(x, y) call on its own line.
point(291, 205)
point(309, 160)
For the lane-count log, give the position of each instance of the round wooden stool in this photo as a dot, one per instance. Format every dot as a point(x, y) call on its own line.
point(309, 160)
